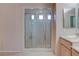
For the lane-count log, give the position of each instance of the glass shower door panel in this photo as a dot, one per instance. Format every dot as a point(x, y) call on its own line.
point(47, 31)
point(28, 33)
point(37, 34)
point(48, 42)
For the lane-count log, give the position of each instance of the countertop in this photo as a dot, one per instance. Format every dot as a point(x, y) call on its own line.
point(73, 40)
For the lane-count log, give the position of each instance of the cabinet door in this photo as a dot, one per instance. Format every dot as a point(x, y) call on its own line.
point(74, 53)
point(65, 51)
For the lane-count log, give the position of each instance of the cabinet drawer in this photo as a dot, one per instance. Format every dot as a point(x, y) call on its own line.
point(74, 53)
point(66, 43)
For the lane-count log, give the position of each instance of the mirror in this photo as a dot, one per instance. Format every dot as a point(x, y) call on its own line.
point(69, 18)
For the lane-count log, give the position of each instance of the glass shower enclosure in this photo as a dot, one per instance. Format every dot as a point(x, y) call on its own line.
point(37, 28)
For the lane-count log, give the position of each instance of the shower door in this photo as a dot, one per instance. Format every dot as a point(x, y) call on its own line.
point(28, 30)
point(37, 31)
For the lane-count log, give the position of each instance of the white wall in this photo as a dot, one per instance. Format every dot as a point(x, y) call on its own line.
point(9, 28)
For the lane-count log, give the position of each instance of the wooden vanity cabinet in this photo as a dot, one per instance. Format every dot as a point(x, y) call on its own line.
point(74, 52)
point(65, 47)
point(65, 51)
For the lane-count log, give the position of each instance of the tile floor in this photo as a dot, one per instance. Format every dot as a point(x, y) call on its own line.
point(31, 52)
